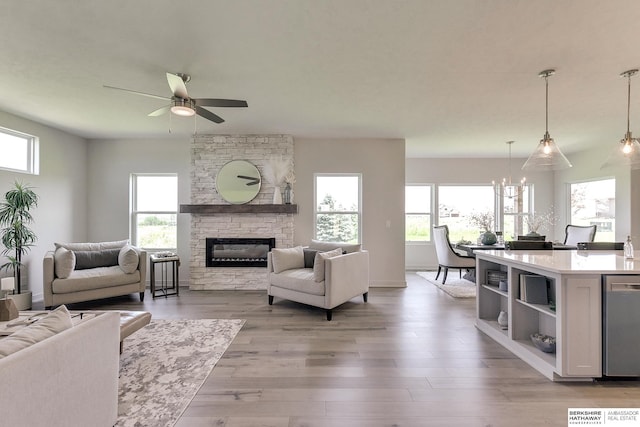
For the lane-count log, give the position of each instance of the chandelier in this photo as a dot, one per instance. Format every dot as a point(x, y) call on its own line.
point(547, 155)
point(507, 188)
point(629, 151)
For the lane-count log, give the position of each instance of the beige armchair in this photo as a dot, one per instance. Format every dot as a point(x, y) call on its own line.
point(331, 279)
point(447, 257)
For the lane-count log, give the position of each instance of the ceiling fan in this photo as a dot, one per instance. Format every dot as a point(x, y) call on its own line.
point(183, 105)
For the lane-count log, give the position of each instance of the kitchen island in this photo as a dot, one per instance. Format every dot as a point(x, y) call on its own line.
point(572, 312)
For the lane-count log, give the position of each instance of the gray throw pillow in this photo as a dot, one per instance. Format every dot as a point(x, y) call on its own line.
point(94, 259)
point(309, 257)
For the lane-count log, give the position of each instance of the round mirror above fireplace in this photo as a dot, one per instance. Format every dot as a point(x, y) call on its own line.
point(238, 182)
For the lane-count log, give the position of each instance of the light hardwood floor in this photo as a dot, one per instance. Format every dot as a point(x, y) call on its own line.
point(409, 357)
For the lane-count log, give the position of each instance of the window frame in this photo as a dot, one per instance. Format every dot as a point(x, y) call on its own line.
point(500, 207)
point(133, 212)
point(430, 214)
point(600, 233)
point(316, 212)
point(32, 154)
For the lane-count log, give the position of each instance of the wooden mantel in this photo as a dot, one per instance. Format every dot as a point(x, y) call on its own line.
point(246, 208)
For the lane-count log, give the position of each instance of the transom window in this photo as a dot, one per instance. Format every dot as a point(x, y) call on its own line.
point(154, 210)
point(337, 212)
point(19, 152)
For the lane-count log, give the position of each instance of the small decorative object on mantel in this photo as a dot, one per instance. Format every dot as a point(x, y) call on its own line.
point(276, 171)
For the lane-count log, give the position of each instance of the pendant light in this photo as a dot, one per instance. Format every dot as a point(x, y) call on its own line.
point(507, 188)
point(628, 153)
point(547, 155)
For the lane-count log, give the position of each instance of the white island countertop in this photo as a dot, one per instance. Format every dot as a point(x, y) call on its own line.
point(567, 262)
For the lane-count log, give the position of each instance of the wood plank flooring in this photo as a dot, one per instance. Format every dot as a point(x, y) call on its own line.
point(409, 357)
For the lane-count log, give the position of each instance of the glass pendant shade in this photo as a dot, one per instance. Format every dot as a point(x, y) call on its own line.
point(628, 152)
point(547, 155)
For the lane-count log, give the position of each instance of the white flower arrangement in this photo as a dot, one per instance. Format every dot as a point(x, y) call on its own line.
point(277, 170)
point(483, 220)
point(539, 221)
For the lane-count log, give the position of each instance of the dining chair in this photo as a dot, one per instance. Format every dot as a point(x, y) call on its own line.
point(574, 234)
point(447, 257)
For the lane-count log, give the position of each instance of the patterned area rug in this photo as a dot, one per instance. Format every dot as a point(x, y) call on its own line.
point(165, 363)
point(456, 287)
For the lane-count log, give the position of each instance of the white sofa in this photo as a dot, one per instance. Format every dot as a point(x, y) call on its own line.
point(344, 276)
point(68, 379)
point(64, 282)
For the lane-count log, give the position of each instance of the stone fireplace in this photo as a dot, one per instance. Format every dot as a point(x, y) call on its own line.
point(208, 154)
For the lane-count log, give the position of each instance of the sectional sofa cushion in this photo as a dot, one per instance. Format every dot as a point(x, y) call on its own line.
point(56, 321)
point(328, 246)
point(287, 259)
point(93, 259)
point(65, 262)
point(94, 278)
point(299, 280)
point(318, 264)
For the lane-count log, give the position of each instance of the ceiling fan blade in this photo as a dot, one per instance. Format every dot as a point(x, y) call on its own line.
point(209, 115)
point(212, 102)
point(137, 93)
point(160, 111)
point(177, 86)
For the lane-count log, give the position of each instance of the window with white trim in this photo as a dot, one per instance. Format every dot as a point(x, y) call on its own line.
point(594, 203)
point(154, 211)
point(418, 207)
point(20, 152)
point(337, 207)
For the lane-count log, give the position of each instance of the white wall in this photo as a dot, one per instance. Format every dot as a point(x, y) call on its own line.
point(422, 256)
point(382, 165)
point(61, 215)
point(111, 162)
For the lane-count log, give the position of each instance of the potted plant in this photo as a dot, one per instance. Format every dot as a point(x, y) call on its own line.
point(537, 221)
point(15, 234)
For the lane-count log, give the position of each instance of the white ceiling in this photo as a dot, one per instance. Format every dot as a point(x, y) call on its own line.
point(455, 78)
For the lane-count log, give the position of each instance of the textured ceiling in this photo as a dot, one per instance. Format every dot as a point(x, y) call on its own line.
point(453, 78)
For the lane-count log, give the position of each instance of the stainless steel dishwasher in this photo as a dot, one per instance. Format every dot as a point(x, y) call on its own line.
point(621, 326)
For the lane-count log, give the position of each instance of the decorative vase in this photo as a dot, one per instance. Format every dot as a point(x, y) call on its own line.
point(488, 238)
point(287, 194)
point(503, 320)
point(277, 195)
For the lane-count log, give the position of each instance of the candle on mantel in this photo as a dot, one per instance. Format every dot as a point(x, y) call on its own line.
point(7, 284)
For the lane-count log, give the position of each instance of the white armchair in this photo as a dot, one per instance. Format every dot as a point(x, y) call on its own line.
point(447, 257)
point(333, 279)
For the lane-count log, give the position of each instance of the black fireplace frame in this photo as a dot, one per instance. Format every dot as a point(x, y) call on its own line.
point(212, 241)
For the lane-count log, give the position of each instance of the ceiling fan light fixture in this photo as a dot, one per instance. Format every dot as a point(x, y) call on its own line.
point(547, 155)
point(183, 107)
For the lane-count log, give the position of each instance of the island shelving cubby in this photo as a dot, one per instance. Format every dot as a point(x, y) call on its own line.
point(572, 314)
